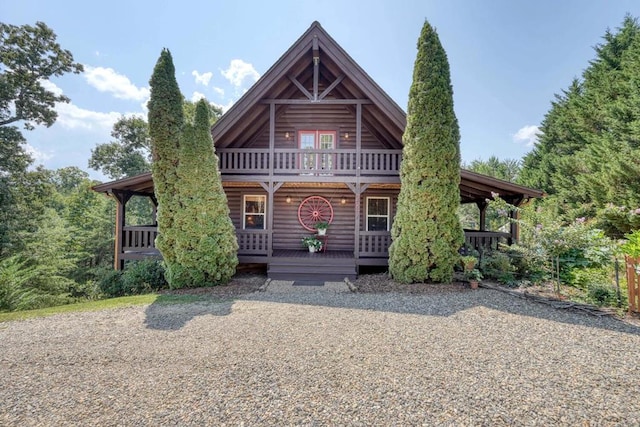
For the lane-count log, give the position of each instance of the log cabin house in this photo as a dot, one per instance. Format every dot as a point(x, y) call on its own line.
point(314, 139)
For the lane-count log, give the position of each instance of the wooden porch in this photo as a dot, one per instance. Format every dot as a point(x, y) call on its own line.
point(287, 264)
point(293, 264)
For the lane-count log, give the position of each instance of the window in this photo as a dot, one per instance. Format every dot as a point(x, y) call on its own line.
point(254, 214)
point(317, 140)
point(378, 213)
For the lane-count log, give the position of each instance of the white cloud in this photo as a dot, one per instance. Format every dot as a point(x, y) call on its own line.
point(39, 157)
point(51, 87)
point(527, 135)
point(108, 80)
point(239, 71)
point(203, 78)
point(72, 117)
point(219, 91)
point(197, 96)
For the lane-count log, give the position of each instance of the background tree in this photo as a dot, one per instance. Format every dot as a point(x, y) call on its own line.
point(588, 155)
point(469, 213)
point(29, 55)
point(128, 154)
point(426, 231)
point(206, 245)
point(166, 122)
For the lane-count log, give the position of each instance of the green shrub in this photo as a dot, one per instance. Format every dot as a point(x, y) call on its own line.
point(529, 263)
point(585, 278)
point(142, 277)
point(89, 289)
point(602, 294)
point(139, 277)
point(495, 263)
point(110, 283)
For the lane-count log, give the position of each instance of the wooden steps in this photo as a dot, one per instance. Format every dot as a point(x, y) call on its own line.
point(302, 265)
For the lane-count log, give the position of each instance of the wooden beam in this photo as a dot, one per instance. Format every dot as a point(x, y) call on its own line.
point(316, 67)
point(272, 137)
point(332, 86)
point(320, 101)
point(482, 206)
point(301, 87)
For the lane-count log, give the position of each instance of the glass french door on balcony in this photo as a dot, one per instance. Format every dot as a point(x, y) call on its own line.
point(317, 140)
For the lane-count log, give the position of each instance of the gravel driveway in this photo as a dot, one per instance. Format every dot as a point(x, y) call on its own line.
point(316, 357)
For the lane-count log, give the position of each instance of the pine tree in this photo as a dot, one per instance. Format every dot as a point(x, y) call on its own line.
point(588, 155)
point(426, 231)
point(166, 123)
point(206, 246)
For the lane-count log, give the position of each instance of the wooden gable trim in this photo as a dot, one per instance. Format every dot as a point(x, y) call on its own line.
point(332, 50)
point(299, 85)
point(328, 90)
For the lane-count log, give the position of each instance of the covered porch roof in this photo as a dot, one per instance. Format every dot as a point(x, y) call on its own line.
point(474, 188)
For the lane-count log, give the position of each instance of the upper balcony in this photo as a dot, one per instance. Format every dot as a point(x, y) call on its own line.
point(310, 162)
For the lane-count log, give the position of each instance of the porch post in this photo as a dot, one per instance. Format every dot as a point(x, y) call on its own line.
point(515, 226)
point(358, 138)
point(270, 190)
point(482, 206)
point(121, 202)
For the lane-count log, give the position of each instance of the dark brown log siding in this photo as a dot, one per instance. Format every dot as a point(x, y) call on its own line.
point(322, 117)
point(287, 230)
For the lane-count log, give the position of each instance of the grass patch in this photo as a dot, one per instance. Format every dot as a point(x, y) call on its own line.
point(104, 304)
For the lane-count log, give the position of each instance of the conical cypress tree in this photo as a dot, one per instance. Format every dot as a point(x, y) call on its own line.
point(165, 128)
point(426, 231)
point(206, 247)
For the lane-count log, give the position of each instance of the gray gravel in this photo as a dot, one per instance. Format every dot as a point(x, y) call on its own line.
point(322, 357)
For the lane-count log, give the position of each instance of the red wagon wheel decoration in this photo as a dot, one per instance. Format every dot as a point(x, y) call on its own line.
point(314, 209)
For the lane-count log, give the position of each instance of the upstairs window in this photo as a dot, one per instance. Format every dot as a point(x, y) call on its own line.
point(254, 212)
point(378, 213)
point(316, 140)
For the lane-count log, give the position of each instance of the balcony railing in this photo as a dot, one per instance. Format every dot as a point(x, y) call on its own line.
point(309, 162)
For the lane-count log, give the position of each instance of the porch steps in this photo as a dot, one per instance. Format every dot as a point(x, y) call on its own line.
point(315, 267)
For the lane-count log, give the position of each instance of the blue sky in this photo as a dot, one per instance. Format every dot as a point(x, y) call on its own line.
point(508, 58)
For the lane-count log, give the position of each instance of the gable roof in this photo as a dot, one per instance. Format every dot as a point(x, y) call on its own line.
point(297, 63)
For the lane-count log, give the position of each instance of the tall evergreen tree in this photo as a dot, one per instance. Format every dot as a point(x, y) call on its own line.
point(426, 231)
point(166, 122)
point(588, 155)
point(206, 245)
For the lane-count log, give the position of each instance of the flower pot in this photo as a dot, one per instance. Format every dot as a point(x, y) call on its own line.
point(473, 284)
point(312, 249)
point(322, 231)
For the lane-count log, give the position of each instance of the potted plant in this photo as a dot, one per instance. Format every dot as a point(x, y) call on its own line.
point(468, 262)
point(473, 276)
point(321, 227)
point(313, 244)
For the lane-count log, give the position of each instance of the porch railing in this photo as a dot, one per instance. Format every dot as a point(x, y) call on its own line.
point(139, 238)
point(374, 244)
point(253, 242)
point(486, 239)
point(309, 162)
